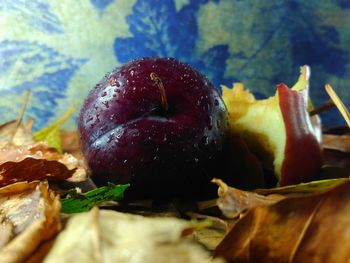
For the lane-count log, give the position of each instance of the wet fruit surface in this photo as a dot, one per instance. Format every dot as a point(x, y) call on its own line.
point(129, 134)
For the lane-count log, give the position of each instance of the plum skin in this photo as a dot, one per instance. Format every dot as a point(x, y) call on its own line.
point(128, 137)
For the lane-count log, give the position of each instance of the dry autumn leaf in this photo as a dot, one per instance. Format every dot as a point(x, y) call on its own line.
point(309, 229)
point(37, 162)
point(29, 215)
point(233, 201)
point(108, 236)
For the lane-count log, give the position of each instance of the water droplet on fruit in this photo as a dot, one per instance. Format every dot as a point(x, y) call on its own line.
point(104, 94)
point(216, 102)
point(106, 104)
point(125, 161)
point(203, 142)
point(90, 118)
point(114, 95)
point(132, 72)
point(134, 89)
point(210, 123)
point(136, 134)
point(155, 158)
point(117, 90)
point(196, 160)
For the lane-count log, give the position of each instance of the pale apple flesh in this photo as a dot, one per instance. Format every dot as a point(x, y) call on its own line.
point(278, 130)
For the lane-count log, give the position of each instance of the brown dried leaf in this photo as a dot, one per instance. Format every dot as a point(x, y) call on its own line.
point(32, 212)
point(31, 169)
point(38, 161)
point(233, 201)
point(109, 236)
point(309, 229)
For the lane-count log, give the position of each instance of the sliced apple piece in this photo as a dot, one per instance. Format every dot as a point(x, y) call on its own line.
point(278, 130)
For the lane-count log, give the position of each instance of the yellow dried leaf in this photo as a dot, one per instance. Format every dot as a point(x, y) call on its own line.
point(51, 134)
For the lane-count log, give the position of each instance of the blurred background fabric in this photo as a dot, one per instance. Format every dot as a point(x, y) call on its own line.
point(59, 49)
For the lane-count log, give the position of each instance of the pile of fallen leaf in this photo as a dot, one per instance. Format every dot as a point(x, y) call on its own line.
point(50, 211)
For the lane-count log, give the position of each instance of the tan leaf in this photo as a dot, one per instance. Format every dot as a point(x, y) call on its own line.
point(31, 212)
point(233, 201)
point(309, 229)
point(108, 236)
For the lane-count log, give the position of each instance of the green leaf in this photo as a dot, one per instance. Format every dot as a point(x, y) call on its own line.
point(51, 133)
point(76, 202)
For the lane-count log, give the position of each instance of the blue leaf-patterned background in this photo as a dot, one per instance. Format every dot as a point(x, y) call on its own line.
point(61, 49)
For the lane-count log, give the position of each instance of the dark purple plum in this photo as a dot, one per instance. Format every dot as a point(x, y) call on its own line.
point(155, 123)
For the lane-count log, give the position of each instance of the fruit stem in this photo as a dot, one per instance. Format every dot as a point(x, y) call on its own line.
point(160, 85)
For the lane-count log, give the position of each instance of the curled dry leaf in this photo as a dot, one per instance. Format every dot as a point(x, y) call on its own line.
point(38, 161)
point(309, 229)
point(233, 201)
point(31, 169)
point(29, 214)
point(109, 236)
